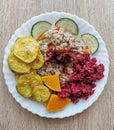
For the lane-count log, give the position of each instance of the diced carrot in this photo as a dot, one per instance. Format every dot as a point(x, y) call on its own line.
point(87, 52)
point(42, 36)
point(57, 28)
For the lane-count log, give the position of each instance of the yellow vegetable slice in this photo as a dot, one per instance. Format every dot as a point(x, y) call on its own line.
point(26, 48)
point(52, 82)
point(26, 83)
point(41, 93)
point(38, 62)
point(56, 103)
point(17, 65)
point(31, 79)
point(24, 90)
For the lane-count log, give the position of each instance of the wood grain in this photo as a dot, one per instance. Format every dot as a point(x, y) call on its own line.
point(99, 13)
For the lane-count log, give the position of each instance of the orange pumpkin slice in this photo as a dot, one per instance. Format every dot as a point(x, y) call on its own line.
point(52, 82)
point(56, 103)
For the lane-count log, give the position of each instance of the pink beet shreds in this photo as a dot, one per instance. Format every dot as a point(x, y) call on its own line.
point(81, 83)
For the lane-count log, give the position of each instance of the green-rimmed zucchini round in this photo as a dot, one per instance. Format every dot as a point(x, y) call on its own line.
point(69, 25)
point(39, 28)
point(91, 42)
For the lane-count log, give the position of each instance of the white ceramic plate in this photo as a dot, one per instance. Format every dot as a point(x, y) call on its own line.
point(71, 109)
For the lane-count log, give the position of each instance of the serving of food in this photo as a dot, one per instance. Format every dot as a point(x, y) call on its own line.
point(54, 65)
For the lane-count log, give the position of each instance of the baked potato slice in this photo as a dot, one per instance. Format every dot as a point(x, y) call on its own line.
point(26, 49)
point(41, 93)
point(38, 62)
point(32, 79)
point(26, 83)
point(17, 65)
point(24, 90)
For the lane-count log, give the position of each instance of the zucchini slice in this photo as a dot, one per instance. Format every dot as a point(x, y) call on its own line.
point(69, 25)
point(91, 42)
point(39, 28)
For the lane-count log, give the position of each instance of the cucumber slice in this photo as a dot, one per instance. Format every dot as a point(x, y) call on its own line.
point(68, 24)
point(39, 28)
point(91, 41)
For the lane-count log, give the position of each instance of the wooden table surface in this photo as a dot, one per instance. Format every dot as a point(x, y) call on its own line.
point(99, 13)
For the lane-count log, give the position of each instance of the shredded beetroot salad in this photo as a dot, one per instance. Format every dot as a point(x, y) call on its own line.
point(82, 80)
point(85, 72)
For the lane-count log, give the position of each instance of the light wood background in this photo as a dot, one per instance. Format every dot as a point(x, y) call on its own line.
point(99, 13)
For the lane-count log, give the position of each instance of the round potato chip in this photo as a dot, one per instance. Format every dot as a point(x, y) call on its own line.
point(17, 65)
point(26, 48)
point(24, 90)
point(26, 83)
point(32, 79)
point(38, 62)
point(41, 93)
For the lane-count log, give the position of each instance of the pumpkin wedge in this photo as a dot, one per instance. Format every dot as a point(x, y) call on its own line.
point(52, 82)
point(56, 103)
